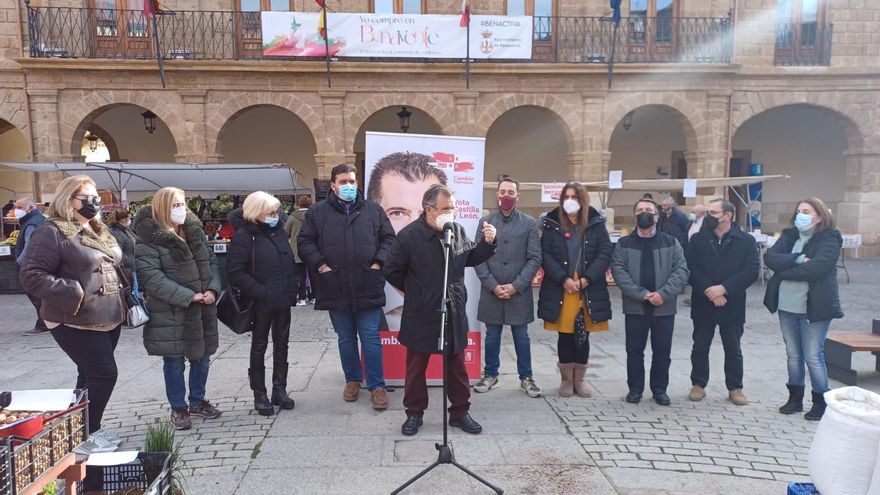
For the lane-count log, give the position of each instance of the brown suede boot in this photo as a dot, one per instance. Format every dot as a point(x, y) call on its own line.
point(566, 385)
point(580, 385)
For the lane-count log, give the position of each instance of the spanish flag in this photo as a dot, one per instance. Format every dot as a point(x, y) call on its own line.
point(465, 13)
point(322, 19)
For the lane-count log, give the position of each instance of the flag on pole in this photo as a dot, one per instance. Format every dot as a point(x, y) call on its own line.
point(465, 13)
point(149, 8)
point(615, 16)
point(322, 23)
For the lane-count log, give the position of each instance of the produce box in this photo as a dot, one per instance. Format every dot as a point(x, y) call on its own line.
point(23, 459)
point(150, 474)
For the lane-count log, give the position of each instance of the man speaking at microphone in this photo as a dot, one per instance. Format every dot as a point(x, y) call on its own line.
point(415, 267)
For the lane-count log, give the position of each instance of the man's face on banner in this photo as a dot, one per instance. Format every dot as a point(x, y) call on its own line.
point(402, 199)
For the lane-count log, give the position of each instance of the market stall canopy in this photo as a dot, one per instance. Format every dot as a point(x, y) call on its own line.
point(140, 179)
point(667, 185)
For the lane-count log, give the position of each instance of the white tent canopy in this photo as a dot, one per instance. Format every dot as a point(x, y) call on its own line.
point(658, 185)
point(143, 179)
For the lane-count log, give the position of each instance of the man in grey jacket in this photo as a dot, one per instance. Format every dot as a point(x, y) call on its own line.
point(506, 287)
point(650, 269)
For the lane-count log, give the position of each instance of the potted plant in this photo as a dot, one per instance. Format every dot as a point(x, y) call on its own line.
point(160, 440)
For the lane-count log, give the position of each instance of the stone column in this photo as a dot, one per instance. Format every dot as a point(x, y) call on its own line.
point(194, 144)
point(857, 214)
point(595, 157)
point(331, 146)
point(46, 132)
point(466, 113)
point(712, 160)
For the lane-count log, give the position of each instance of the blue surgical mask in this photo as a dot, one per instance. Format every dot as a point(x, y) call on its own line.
point(271, 221)
point(348, 192)
point(803, 222)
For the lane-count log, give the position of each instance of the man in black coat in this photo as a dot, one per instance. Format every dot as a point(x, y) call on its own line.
point(674, 222)
point(723, 261)
point(346, 240)
point(415, 267)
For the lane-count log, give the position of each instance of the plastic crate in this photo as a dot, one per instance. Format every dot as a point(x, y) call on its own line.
point(802, 489)
point(150, 472)
point(9, 283)
point(23, 460)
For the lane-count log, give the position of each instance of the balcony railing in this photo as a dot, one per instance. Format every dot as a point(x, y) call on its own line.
point(225, 35)
point(803, 44)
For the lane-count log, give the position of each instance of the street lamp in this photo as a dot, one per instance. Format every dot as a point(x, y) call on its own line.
point(628, 120)
point(149, 121)
point(403, 116)
point(93, 141)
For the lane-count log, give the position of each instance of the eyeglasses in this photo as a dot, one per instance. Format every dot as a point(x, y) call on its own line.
point(177, 205)
point(714, 213)
point(86, 198)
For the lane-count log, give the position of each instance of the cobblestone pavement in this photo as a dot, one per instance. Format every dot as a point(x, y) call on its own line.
point(551, 445)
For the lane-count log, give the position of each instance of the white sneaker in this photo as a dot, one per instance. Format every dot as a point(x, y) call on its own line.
point(486, 384)
point(107, 436)
point(529, 387)
point(95, 445)
point(301, 302)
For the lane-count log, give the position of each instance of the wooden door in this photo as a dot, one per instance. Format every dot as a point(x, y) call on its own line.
point(545, 28)
point(121, 29)
point(652, 31)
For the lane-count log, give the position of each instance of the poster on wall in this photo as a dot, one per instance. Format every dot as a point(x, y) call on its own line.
point(399, 168)
point(296, 34)
point(550, 191)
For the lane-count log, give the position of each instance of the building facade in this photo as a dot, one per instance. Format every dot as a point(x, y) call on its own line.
point(701, 88)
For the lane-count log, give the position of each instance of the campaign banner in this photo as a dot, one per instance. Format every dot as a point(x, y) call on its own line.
point(457, 162)
point(550, 191)
point(297, 34)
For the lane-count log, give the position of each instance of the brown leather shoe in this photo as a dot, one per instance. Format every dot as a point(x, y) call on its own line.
point(350, 394)
point(379, 398)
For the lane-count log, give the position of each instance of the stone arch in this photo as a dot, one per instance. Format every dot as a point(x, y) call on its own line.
point(841, 111)
point(12, 110)
point(216, 120)
point(442, 112)
point(76, 116)
point(568, 115)
point(688, 114)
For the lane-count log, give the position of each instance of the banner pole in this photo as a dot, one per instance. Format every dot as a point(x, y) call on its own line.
point(467, 62)
point(327, 45)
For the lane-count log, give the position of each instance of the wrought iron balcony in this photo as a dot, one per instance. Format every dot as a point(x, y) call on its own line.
point(226, 35)
point(803, 44)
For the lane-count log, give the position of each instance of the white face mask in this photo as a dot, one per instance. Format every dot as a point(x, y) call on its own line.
point(178, 215)
point(126, 223)
point(571, 206)
point(444, 219)
point(19, 213)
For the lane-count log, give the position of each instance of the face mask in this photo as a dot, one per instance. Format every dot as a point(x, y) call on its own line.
point(444, 219)
point(178, 215)
point(803, 222)
point(693, 217)
point(507, 203)
point(19, 213)
point(89, 208)
point(710, 222)
point(645, 220)
point(271, 221)
point(571, 206)
point(348, 192)
point(126, 223)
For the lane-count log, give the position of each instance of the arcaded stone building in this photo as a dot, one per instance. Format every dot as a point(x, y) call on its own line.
point(701, 88)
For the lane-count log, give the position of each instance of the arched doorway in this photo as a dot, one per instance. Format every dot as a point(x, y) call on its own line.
point(126, 134)
point(269, 134)
point(13, 148)
point(388, 120)
point(804, 141)
point(649, 142)
point(529, 143)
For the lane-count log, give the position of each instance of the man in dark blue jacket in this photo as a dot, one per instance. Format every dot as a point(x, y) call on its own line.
point(723, 261)
point(346, 240)
point(29, 218)
point(674, 222)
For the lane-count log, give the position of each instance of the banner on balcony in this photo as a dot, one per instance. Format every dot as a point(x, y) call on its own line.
point(296, 34)
point(454, 161)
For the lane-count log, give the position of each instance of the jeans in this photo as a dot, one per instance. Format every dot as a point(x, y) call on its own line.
point(92, 352)
point(660, 328)
point(175, 388)
point(704, 332)
point(521, 344)
point(569, 352)
point(805, 343)
point(349, 326)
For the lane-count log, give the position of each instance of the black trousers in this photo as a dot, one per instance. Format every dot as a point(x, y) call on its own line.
point(92, 352)
point(704, 332)
point(304, 292)
point(638, 329)
point(40, 324)
point(276, 322)
point(569, 351)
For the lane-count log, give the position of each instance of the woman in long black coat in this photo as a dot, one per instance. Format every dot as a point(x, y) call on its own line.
point(260, 264)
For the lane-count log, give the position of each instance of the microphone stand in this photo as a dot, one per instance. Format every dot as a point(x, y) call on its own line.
point(445, 455)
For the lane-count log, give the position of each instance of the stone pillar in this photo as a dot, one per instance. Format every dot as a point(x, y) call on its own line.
point(46, 132)
point(594, 159)
point(712, 160)
point(331, 146)
point(194, 144)
point(466, 113)
point(857, 214)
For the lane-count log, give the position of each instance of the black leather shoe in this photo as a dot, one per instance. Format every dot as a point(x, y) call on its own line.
point(467, 424)
point(662, 399)
point(411, 426)
point(633, 397)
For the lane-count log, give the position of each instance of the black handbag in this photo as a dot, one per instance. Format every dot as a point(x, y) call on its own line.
point(235, 309)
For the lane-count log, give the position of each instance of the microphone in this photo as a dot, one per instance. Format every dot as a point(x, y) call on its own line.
point(447, 233)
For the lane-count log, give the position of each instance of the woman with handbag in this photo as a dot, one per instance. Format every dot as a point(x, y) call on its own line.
point(180, 277)
point(260, 265)
point(574, 299)
point(71, 268)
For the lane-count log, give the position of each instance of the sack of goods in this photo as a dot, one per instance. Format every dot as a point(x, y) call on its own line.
point(845, 454)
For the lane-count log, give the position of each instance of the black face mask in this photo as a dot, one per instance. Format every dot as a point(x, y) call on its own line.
point(710, 222)
point(89, 208)
point(645, 220)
